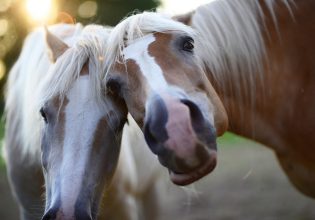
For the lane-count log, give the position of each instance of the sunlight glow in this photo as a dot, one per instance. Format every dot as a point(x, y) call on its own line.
point(181, 6)
point(39, 10)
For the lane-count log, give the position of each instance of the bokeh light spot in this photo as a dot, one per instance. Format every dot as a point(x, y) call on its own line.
point(5, 5)
point(4, 24)
point(87, 9)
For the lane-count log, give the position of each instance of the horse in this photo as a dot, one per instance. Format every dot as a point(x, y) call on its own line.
point(63, 133)
point(178, 109)
point(258, 61)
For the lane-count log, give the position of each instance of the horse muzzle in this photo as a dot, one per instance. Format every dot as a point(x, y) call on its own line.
point(54, 214)
point(62, 210)
point(184, 141)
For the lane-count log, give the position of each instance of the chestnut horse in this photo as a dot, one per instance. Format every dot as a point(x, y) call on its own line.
point(63, 133)
point(258, 56)
point(167, 93)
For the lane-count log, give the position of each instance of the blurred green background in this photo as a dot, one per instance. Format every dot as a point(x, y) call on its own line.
point(248, 183)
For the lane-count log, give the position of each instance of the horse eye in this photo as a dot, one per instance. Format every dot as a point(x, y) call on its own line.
point(188, 44)
point(113, 87)
point(43, 114)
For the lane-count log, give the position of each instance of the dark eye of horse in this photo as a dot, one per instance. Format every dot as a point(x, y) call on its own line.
point(113, 87)
point(188, 44)
point(43, 114)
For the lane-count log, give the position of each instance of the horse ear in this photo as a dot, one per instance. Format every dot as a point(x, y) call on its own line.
point(184, 18)
point(56, 47)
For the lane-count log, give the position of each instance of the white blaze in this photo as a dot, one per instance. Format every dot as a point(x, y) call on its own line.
point(138, 51)
point(82, 115)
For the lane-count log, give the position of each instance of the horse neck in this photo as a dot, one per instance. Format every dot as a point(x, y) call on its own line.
point(258, 109)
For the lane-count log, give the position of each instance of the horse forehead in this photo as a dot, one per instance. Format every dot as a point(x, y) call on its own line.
point(80, 90)
point(138, 51)
point(137, 47)
point(145, 43)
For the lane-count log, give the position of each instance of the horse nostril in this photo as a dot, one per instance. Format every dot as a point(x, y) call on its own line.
point(153, 138)
point(155, 124)
point(197, 119)
point(49, 216)
point(195, 113)
point(82, 214)
point(204, 130)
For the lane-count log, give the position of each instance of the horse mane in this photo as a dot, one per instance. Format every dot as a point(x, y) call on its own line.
point(34, 79)
point(230, 37)
point(89, 47)
point(232, 46)
point(137, 26)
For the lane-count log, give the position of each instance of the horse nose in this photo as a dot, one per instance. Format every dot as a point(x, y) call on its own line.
point(50, 215)
point(173, 130)
point(53, 214)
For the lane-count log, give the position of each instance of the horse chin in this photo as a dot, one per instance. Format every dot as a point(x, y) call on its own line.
point(183, 179)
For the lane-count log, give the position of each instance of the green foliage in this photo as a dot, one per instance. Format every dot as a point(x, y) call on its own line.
point(111, 12)
point(2, 164)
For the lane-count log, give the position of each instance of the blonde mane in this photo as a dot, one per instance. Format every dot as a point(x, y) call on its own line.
point(89, 47)
point(232, 45)
point(229, 37)
point(34, 79)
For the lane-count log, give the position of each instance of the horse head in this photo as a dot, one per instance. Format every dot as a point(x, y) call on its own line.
point(81, 130)
point(155, 70)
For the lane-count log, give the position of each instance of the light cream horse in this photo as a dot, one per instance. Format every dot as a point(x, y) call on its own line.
point(259, 57)
point(63, 133)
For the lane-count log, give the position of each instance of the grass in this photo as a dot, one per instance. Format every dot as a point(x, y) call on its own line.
point(229, 138)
